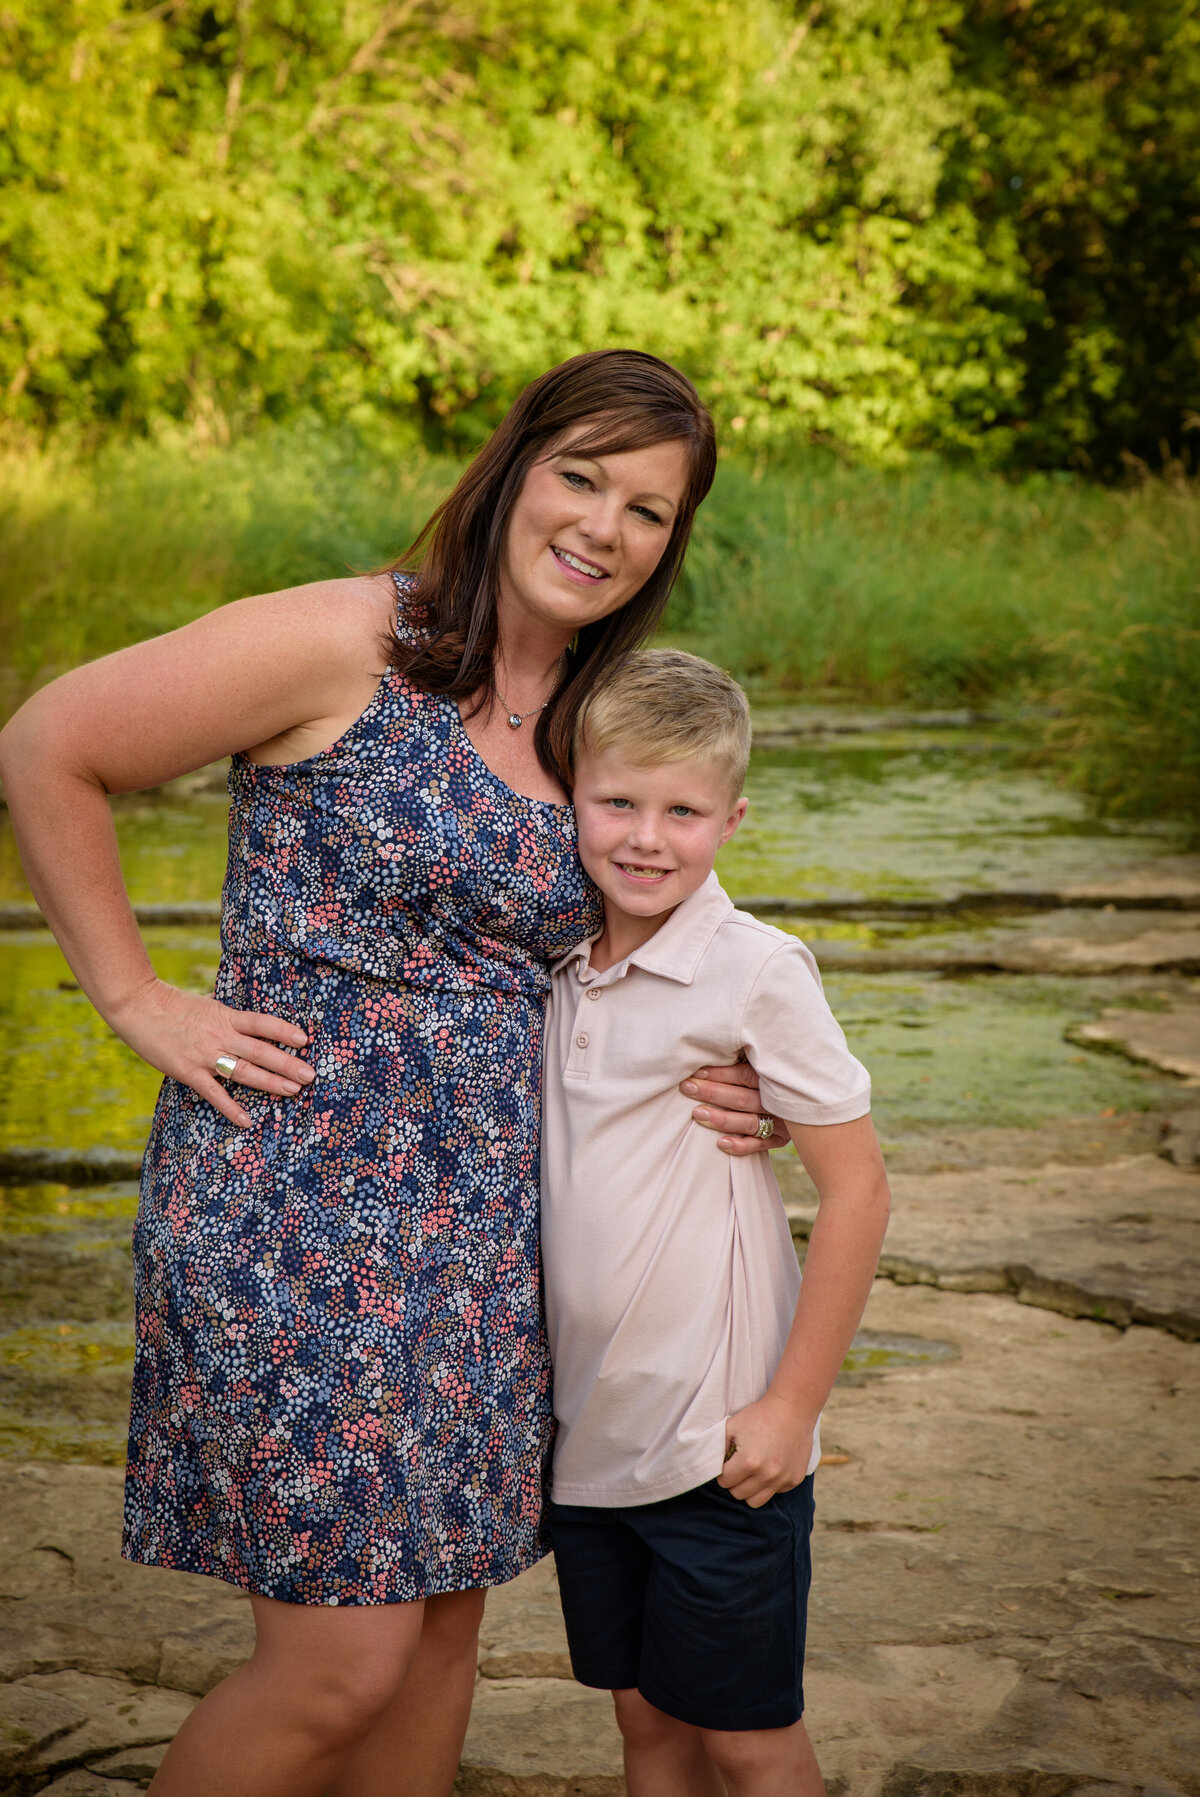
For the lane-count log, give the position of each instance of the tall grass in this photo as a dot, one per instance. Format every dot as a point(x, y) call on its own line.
point(942, 586)
point(97, 554)
point(931, 585)
point(1128, 691)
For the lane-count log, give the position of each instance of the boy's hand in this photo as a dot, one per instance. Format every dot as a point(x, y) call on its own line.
point(767, 1449)
point(730, 1103)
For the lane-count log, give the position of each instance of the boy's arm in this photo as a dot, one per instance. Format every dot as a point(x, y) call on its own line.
point(769, 1443)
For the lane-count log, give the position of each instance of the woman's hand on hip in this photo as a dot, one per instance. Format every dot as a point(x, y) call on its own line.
point(183, 1033)
point(729, 1101)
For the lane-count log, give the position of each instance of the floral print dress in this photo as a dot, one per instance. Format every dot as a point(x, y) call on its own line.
point(341, 1390)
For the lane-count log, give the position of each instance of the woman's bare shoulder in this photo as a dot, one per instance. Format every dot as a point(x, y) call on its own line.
point(339, 613)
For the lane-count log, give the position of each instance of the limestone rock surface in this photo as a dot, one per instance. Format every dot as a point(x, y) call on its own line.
point(1119, 1242)
point(1180, 1138)
point(1003, 1606)
point(522, 1633)
point(542, 1736)
point(68, 1602)
point(1066, 941)
point(1168, 1039)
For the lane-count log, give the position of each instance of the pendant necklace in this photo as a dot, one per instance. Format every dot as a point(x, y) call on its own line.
point(517, 718)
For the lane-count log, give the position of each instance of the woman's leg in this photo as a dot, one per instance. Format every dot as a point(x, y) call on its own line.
point(414, 1748)
point(663, 1757)
point(283, 1724)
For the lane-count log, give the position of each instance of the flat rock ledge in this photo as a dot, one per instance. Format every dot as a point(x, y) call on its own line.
point(1118, 1243)
point(1168, 1039)
point(1180, 1141)
point(1003, 1606)
point(201, 911)
point(69, 1166)
point(1068, 943)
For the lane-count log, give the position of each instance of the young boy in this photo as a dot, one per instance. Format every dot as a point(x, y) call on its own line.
point(689, 1370)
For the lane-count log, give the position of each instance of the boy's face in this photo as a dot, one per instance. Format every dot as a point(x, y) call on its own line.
point(648, 835)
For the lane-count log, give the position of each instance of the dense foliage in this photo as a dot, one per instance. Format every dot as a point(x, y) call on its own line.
point(876, 223)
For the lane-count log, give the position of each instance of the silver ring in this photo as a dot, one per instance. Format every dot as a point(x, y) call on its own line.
point(766, 1127)
point(227, 1065)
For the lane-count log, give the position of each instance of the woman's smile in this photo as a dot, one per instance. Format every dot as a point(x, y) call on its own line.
point(572, 564)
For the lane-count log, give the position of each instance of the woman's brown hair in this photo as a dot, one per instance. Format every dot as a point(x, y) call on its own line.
point(634, 400)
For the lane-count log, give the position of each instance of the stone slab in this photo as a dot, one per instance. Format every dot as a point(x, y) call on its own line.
point(1180, 1138)
point(68, 1602)
point(1119, 1242)
point(137, 1763)
point(1067, 1721)
point(1005, 1570)
point(1087, 1140)
point(541, 1737)
point(1168, 1039)
point(1167, 879)
point(31, 1722)
point(119, 1719)
point(1072, 943)
point(1169, 883)
point(522, 1634)
point(1028, 1512)
point(68, 1166)
point(781, 726)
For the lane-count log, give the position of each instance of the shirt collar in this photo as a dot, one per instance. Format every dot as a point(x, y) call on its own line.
point(676, 949)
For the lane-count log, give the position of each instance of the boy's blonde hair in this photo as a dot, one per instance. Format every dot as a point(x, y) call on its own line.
point(666, 705)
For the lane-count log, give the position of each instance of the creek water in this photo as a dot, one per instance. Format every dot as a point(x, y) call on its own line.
point(875, 818)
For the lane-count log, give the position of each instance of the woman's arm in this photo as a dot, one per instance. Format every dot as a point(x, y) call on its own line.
point(280, 675)
point(771, 1441)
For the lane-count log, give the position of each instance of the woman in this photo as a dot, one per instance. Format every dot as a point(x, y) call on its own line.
point(341, 1392)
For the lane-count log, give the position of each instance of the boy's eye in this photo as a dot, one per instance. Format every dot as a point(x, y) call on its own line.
point(682, 811)
point(621, 804)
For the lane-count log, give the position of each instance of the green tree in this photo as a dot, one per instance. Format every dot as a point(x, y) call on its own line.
point(1085, 147)
point(402, 209)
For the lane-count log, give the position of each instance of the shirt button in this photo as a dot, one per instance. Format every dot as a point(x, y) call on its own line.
point(593, 992)
point(582, 1041)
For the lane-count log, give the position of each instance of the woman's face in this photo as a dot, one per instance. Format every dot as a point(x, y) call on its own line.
point(587, 532)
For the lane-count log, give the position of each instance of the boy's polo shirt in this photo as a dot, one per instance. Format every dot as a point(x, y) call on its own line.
point(670, 1274)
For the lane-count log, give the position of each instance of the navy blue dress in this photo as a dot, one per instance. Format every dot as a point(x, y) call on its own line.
point(342, 1388)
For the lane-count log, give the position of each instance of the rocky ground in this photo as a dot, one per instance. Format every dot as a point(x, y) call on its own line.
point(1006, 1549)
point(1004, 1594)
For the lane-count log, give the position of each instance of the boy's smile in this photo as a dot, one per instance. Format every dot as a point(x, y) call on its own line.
point(648, 837)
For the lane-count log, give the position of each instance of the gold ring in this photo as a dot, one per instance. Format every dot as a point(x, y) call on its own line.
point(227, 1065)
point(766, 1127)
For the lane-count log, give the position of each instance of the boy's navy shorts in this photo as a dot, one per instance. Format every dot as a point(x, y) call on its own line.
point(699, 1602)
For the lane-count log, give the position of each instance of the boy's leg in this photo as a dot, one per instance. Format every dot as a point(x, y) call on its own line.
point(663, 1757)
point(692, 1612)
point(765, 1762)
point(724, 1631)
point(603, 1568)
